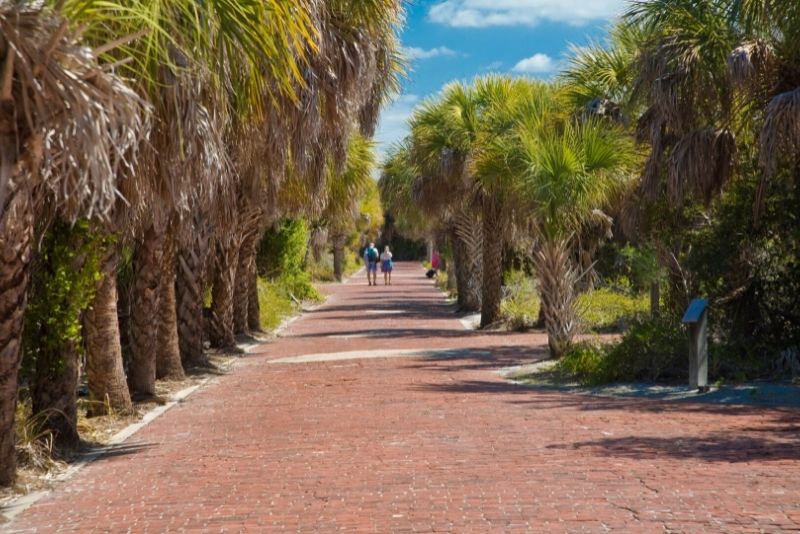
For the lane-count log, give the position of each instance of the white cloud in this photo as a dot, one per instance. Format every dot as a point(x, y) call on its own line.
point(493, 66)
point(536, 64)
point(412, 52)
point(485, 13)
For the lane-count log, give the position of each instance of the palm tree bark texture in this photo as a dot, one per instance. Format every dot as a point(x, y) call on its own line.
point(492, 263)
point(469, 238)
point(253, 306)
point(221, 332)
point(53, 392)
point(189, 289)
point(147, 267)
point(558, 279)
point(338, 256)
point(101, 333)
point(16, 228)
point(244, 268)
point(168, 354)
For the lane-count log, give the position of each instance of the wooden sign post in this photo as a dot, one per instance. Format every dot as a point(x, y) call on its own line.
point(696, 317)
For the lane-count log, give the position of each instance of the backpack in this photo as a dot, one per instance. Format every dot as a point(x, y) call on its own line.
point(372, 254)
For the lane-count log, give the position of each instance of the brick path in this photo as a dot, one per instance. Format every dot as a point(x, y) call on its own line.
point(420, 443)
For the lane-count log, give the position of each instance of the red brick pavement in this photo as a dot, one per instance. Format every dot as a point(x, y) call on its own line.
point(428, 444)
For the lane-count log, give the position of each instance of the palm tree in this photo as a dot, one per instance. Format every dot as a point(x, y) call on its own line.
point(765, 69)
point(443, 133)
point(80, 124)
point(176, 64)
point(344, 192)
point(351, 71)
point(568, 171)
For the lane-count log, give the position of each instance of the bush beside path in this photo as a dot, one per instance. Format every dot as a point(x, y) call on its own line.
point(403, 425)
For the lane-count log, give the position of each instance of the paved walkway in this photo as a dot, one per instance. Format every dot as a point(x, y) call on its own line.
point(427, 440)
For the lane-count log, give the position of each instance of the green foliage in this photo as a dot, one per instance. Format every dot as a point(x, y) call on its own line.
point(521, 303)
point(275, 304)
point(652, 349)
point(281, 258)
point(584, 362)
point(630, 268)
point(753, 272)
point(62, 287)
point(604, 309)
point(282, 250)
point(298, 285)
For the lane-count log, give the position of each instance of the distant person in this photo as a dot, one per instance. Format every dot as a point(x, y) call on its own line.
point(435, 264)
point(386, 265)
point(371, 256)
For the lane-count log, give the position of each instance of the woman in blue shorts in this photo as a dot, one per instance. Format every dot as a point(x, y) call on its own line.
point(386, 266)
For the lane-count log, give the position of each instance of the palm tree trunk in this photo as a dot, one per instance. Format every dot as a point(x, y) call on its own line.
point(101, 334)
point(468, 233)
point(338, 257)
point(54, 391)
point(168, 354)
point(459, 269)
point(492, 264)
point(16, 229)
point(557, 287)
point(242, 292)
point(655, 298)
point(253, 307)
point(189, 289)
point(147, 269)
point(221, 331)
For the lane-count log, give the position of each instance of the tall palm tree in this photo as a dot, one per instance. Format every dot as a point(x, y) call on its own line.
point(351, 71)
point(567, 171)
point(80, 123)
point(177, 63)
point(443, 139)
point(343, 194)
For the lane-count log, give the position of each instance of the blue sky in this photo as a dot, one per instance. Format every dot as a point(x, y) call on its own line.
point(459, 39)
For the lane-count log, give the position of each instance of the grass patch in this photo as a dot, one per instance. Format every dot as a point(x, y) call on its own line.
point(604, 309)
point(521, 303)
point(34, 442)
point(274, 303)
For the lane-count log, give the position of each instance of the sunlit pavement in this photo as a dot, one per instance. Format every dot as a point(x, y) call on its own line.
point(377, 412)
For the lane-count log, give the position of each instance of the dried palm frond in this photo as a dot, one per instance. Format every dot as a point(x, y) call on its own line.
point(746, 61)
point(701, 162)
point(58, 100)
point(780, 135)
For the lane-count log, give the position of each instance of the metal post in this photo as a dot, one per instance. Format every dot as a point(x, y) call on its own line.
point(696, 317)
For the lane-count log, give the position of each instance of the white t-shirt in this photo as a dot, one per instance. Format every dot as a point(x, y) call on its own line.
point(385, 256)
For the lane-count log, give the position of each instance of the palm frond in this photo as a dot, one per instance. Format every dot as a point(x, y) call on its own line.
point(83, 124)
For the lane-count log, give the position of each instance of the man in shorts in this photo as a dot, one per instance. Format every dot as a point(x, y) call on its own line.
point(371, 258)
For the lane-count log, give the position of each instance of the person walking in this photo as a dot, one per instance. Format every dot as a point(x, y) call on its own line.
point(386, 265)
point(371, 256)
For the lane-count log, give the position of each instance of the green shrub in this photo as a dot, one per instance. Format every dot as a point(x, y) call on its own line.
point(274, 304)
point(65, 273)
point(283, 249)
point(299, 286)
point(281, 258)
point(584, 362)
point(606, 309)
point(521, 303)
point(651, 350)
